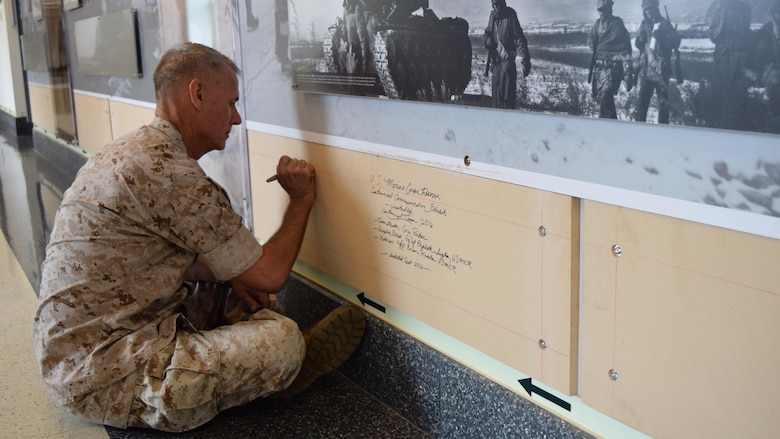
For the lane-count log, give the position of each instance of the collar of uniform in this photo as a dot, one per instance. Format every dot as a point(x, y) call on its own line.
point(168, 129)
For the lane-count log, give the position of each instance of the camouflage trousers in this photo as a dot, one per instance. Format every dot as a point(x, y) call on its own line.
point(222, 356)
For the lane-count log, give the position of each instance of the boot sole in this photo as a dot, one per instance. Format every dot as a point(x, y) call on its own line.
point(329, 343)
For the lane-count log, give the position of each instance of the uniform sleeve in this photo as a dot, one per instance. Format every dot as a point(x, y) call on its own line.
point(234, 256)
point(198, 217)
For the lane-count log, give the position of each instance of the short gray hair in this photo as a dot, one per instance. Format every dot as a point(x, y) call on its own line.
point(185, 61)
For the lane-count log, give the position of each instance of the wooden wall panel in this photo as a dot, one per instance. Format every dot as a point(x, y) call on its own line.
point(93, 122)
point(462, 254)
point(127, 117)
point(687, 316)
point(42, 107)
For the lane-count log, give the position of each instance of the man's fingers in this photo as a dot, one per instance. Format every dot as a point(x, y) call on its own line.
point(247, 299)
point(265, 299)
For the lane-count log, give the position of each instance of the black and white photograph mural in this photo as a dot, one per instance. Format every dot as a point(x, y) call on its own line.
point(699, 63)
point(555, 129)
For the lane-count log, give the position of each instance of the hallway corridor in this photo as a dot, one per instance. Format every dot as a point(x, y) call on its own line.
point(31, 188)
point(27, 411)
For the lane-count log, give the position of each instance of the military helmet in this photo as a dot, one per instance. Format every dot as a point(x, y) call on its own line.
point(601, 3)
point(649, 3)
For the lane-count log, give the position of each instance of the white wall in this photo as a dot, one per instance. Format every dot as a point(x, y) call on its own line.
point(11, 80)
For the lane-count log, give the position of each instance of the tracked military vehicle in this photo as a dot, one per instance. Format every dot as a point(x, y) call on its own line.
point(418, 57)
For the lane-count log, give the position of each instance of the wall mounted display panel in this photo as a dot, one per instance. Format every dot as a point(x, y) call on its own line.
point(108, 45)
point(70, 5)
point(680, 336)
point(736, 170)
point(34, 51)
point(430, 242)
point(37, 9)
point(554, 57)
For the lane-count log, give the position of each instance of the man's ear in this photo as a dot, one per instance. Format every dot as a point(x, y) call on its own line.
point(196, 93)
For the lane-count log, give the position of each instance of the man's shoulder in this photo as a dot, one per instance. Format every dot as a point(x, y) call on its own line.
point(142, 134)
point(146, 152)
point(147, 138)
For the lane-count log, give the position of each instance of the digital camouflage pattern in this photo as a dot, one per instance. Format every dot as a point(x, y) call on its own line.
point(135, 219)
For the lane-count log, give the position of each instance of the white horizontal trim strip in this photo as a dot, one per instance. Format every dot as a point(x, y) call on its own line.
point(732, 219)
point(136, 102)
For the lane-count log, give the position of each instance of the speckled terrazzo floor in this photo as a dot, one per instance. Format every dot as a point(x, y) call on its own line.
point(333, 408)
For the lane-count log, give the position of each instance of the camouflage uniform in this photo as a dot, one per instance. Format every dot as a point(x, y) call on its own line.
point(110, 333)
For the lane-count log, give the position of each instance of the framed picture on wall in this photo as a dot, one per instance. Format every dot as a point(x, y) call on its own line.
point(108, 45)
point(702, 63)
point(37, 10)
point(69, 5)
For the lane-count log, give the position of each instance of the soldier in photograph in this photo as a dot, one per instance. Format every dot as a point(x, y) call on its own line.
point(503, 38)
point(728, 22)
point(768, 58)
point(657, 40)
point(611, 61)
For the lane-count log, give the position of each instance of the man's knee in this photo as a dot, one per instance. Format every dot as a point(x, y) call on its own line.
point(283, 335)
point(259, 356)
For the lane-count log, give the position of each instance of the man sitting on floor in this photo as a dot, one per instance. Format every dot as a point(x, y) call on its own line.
point(154, 299)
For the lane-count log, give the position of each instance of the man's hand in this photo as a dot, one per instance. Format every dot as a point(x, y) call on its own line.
point(269, 274)
point(296, 177)
point(526, 68)
point(254, 299)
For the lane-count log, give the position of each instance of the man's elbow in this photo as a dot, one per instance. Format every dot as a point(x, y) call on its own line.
point(275, 280)
point(277, 283)
point(264, 277)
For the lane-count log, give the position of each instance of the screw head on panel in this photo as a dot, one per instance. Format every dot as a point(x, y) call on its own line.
point(613, 374)
point(542, 231)
point(467, 160)
point(542, 344)
point(617, 251)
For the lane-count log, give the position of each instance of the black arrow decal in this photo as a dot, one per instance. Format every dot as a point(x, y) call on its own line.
point(366, 301)
point(530, 388)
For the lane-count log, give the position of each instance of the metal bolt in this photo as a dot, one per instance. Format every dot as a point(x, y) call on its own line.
point(467, 160)
point(616, 250)
point(613, 374)
point(542, 231)
point(542, 344)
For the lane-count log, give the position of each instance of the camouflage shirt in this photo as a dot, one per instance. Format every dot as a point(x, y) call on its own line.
point(135, 219)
